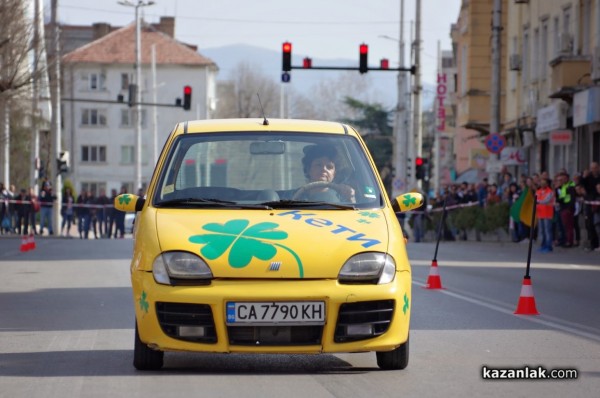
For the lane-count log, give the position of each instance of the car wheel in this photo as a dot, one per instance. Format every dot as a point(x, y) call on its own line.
point(395, 359)
point(145, 358)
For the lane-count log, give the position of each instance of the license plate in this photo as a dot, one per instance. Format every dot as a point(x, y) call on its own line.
point(269, 313)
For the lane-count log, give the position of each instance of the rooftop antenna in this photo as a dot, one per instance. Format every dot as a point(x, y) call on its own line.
point(265, 121)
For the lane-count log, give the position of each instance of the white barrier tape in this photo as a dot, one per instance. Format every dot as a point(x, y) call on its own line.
point(25, 202)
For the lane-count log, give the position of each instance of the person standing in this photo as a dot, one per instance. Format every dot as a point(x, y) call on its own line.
point(102, 203)
point(23, 207)
point(120, 219)
point(67, 211)
point(566, 202)
point(4, 215)
point(596, 213)
point(34, 208)
point(83, 215)
point(46, 202)
point(112, 213)
point(545, 214)
point(589, 179)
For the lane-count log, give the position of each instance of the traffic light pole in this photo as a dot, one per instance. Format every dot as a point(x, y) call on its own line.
point(412, 69)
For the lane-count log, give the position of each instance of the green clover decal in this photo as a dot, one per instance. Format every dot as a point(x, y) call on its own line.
point(124, 199)
point(143, 303)
point(408, 200)
point(369, 214)
point(405, 307)
point(245, 241)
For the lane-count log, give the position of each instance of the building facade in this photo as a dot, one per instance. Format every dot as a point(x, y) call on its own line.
point(550, 99)
point(471, 41)
point(99, 126)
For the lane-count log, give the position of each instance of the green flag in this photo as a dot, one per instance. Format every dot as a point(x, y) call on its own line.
point(522, 208)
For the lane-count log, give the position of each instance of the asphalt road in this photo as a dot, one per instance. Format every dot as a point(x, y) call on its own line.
point(66, 330)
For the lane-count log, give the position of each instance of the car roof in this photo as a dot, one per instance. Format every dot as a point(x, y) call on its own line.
point(257, 125)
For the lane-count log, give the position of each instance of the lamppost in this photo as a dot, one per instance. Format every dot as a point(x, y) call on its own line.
point(138, 88)
point(402, 147)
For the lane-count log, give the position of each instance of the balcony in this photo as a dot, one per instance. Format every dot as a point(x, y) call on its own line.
point(567, 74)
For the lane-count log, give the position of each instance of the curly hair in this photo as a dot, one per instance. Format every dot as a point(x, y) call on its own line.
point(312, 152)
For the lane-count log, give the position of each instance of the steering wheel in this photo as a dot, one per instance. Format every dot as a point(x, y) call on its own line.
point(341, 189)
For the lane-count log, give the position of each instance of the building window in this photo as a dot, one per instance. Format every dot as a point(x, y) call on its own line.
point(93, 154)
point(535, 55)
point(556, 36)
point(93, 187)
point(587, 29)
point(525, 64)
point(544, 50)
point(125, 118)
point(127, 154)
point(125, 81)
point(97, 81)
point(93, 117)
point(463, 70)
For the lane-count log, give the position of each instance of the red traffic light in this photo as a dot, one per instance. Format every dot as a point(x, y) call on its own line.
point(419, 161)
point(385, 63)
point(363, 53)
point(187, 98)
point(286, 57)
point(307, 63)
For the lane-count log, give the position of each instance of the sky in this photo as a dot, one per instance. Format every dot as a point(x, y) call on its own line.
point(327, 29)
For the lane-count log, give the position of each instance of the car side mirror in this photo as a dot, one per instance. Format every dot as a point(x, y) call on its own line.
point(407, 202)
point(129, 203)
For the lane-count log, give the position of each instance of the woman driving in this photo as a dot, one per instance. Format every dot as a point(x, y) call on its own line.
point(319, 164)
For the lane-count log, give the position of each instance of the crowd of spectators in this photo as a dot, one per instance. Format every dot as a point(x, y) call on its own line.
point(24, 212)
point(567, 211)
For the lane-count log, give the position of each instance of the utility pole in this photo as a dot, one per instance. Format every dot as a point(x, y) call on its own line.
point(56, 128)
point(35, 140)
point(138, 90)
point(417, 125)
point(496, 71)
point(400, 130)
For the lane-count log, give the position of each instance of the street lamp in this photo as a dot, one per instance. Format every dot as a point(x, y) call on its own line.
point(138, 83)
point(404, 142)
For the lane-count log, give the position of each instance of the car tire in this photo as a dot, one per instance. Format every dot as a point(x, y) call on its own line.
point(145, 358)
point(395, 359)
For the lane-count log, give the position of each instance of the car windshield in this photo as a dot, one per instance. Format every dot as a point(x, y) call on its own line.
point(261, 171)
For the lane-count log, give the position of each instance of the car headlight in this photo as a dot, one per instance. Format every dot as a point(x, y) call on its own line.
point(180, 266)
point(376, 268)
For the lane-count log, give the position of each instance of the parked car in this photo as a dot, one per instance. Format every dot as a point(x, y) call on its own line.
point(129, 220)
point(269, 236)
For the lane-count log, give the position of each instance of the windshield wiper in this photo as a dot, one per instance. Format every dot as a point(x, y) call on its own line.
point(285, 204)
point(209, 202)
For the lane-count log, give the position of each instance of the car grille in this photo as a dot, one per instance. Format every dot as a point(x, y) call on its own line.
point(189, 322)
point(275, 335)
point(363, 320)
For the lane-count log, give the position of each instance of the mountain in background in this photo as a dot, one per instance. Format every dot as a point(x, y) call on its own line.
point(384, 84)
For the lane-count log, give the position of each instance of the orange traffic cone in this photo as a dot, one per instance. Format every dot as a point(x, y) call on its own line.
point(526, 304)
point(31, 242)
point(24, 244)
point(434, 281)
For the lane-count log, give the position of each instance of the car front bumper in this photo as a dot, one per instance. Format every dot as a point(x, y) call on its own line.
point(193, 318)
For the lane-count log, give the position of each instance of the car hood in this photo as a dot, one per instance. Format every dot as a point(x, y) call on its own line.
point(273, 243)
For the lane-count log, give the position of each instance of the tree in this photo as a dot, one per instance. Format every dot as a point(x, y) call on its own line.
point(238, 97)
point(373, 123)
point(17, 48)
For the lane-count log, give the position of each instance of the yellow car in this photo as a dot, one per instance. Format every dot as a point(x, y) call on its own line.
point(268, 236)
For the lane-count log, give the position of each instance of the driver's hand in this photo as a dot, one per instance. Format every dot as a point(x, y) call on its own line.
point(347, 192)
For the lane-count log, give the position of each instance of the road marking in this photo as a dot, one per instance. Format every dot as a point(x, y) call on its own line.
point(546, 320)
